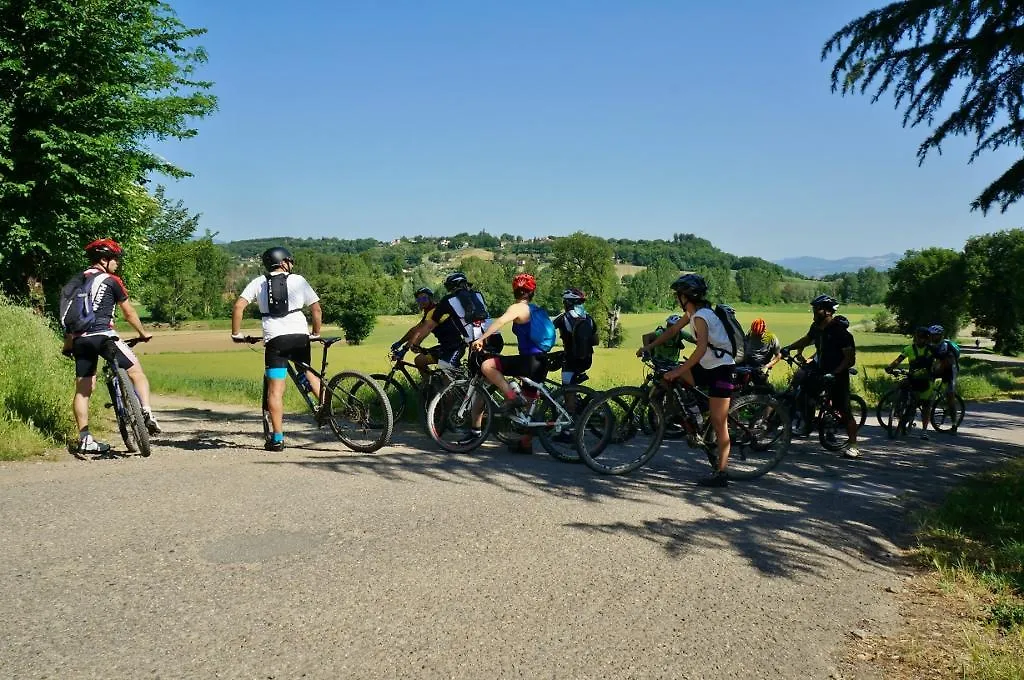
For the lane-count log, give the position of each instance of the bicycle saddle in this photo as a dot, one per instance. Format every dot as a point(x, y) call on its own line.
point(330, 341)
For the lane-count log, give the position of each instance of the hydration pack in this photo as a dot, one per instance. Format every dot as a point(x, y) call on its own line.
point(583, 331)
point(277, 296)
point(473, 306)
point(542, 330)
point(733, 329)
point(78, 302)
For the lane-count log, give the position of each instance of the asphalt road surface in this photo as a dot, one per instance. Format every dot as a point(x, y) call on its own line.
point(212, 559)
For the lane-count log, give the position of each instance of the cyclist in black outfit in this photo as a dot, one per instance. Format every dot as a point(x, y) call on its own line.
point(835, 353)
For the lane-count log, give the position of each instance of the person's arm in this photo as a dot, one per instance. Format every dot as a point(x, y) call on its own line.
point(420, 331)
point(236, 316)
point(132, 317)
point(700, 329)
point(514, 312)
point(849, 358)
point(318, 317)
point(895, 362)
point(667, 335)
point(776, 355)
point(798, 345)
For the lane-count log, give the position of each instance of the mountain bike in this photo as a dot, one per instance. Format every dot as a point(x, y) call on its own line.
point(400, 373)
point(898, 407)
point(792, 394)
point(125, 401)
point(452, 413)
point(642, 417)
point(352, 403)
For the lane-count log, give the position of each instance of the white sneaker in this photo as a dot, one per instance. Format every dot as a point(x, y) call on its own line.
point(89, 445)
point(151, 424)
point(852, 452)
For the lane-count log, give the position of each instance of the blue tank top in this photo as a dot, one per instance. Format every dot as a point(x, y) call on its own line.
point(522, 333)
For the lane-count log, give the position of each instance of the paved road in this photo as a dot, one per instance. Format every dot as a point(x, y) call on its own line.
point(211, 559)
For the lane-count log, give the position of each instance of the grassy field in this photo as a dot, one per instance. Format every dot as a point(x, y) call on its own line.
point(207, 364)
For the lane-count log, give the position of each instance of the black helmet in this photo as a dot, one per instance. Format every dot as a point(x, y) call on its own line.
point(691, 285)
point(921, 331)
point(274, 257)
point(825, 302)
point(424, 291)
point(455, 281)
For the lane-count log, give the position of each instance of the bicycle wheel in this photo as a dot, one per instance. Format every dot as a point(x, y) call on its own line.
point(359, 411)
point(859, 409)
point(832, 430)
point(122, 423)
point(574, 399)
point(631, 434)
point(451, 415)
point(942, 419)
point(760, 432)
point(395, 391)
point(888, 410)
point(134, 424)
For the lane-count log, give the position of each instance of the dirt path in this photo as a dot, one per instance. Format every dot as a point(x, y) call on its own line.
point(212, 559)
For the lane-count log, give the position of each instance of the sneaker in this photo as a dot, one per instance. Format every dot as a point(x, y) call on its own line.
point(90, 446)
point(852, 452)
point(151, 424)
point(465, 436)
point(718, 478)
point(271, 445)
point(513, 404)
point(520, 447)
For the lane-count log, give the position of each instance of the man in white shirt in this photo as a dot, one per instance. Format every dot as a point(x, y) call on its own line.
point(281, 296)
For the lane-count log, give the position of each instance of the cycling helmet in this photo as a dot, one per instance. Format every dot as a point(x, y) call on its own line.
point(420, 292)
point(692, 286)
point(825, 302)
point(574, 295)
point(758, 326)
point(937, 329)
point(921, 331)
point(672, 320)
point(102, 249)
point(524, 282)
point(275, 257)
point(455, 281)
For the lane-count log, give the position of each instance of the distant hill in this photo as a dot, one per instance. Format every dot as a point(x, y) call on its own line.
point(819, 266)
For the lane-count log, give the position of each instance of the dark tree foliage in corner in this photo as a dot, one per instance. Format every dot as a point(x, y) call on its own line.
point(84, 86)
point(923, 51)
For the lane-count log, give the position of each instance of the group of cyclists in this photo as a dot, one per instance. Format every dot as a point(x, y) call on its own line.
point(459, 322)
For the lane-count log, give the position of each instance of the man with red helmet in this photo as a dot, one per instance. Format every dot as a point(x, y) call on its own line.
point(99, 339)
point(531, 361)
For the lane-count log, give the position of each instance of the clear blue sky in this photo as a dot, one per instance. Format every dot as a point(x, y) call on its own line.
point(623, 119)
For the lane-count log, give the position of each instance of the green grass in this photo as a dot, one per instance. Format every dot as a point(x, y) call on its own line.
point(975, 540)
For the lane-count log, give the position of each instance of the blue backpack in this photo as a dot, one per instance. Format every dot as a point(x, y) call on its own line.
point(542, 330)
point(77, 303)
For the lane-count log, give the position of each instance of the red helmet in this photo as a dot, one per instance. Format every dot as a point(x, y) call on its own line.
point(103, 248)
point(757, 326)
point(524, 282)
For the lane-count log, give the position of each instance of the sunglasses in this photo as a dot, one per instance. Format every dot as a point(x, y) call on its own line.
point(422, 298)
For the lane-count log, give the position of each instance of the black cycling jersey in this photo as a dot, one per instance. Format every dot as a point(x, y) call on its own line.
point(450, 329)
point(829, 343)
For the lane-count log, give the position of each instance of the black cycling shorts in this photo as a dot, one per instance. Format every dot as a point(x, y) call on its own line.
point(717, 381)
point(839, 392)
point(577, 364)
point(532, 366)
point(284, 348)
point(452, 355)
point(88, 349)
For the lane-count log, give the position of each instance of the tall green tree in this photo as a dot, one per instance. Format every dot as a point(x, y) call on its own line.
point(995, 270)
point(586, 262)
point(926, 50)
point(928, 286)
point(758, 286)
point(84, 86)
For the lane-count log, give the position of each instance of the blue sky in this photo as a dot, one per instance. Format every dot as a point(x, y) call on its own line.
point(622, 119)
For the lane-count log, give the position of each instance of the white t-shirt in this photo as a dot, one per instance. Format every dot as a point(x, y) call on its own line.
point(300, 295)
point(717, 336)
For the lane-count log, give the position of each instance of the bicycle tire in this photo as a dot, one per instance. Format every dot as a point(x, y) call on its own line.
point(122, 425)
point(940, 418)
point(395, 391)
point(566, 451)
point(832, 430)
point(361, 406)
point(450, 412)
point(630, 407)
point(760, 431)
point(859, 409)
point(884, 411)
point(136, 424)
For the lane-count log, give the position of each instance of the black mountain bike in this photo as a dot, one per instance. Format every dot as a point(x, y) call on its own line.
point(825, 416)
point(351, 403)
point(125, 401)
point(642, 417)
point(403, 379)
point(898, 407)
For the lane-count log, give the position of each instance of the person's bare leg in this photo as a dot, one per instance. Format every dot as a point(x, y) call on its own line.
point(80, 404)
point(275, 403)
point(720, 421)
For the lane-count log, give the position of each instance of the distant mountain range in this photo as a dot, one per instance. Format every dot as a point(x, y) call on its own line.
point(819, 266)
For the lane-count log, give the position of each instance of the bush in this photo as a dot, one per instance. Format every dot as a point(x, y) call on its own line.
point(35, 385)
point(885, 322)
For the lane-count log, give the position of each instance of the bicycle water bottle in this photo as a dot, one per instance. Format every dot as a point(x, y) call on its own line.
point(304, 383)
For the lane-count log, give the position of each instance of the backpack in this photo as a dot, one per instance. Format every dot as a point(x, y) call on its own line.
point(277, 296)
point(584, 336)
point(542, 330)
point(473, 306)
point(77, 302)
point(733, 329)
point(955, 349)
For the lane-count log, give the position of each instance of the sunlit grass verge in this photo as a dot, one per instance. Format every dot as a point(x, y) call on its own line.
point(975, 540)
point(36, 384)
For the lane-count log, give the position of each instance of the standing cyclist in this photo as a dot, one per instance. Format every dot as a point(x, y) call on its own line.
point(947, 367)
point(281, 296)
point(107, 292)
point(835, 353)
point(709, 366)
point(919, 352)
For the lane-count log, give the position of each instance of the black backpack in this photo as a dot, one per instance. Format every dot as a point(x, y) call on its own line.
point(584, 336)
point(77, 302)
point(473, 305)
point(277, 296)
